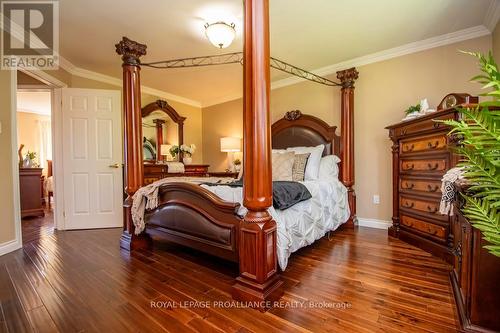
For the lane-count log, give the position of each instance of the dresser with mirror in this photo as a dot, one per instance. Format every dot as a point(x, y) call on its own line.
point(163, 127)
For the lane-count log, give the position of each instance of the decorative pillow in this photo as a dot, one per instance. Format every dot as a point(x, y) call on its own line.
point(328, 168)
point(312, 167)
point(299, 167)
point(283, 166)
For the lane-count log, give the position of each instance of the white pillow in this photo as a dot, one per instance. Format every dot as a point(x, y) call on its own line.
point(328, 167)
point(312, 167)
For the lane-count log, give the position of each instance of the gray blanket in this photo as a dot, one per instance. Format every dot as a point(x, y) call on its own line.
point(285, 193)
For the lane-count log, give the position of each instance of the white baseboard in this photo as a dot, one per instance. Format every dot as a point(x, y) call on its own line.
point(372, 223)
point(10, 246)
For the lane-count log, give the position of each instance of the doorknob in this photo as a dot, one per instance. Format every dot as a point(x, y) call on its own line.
point(116, 165)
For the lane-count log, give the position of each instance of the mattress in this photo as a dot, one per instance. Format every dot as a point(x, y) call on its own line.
point(305, 222)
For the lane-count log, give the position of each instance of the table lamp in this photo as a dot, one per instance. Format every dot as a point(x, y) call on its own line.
point(165, 151)
point(230, 145)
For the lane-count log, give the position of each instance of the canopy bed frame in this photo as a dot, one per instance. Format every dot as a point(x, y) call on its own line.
point(193, 216)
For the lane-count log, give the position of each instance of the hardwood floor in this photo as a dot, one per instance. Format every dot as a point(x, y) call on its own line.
point(79, 281)
point(36, 227)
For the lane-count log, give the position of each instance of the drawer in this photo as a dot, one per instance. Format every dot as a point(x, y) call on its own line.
point(196, 169)
point(155, 169)
point(420, 186)
point(424, 126)
point(423, 144)
point(418, 166)
point(425, 227)
point(150, 180)
point(422, 206)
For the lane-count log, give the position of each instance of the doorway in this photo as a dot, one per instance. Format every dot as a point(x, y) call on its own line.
point(36, 179)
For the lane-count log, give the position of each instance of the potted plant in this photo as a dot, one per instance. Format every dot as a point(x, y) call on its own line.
point(479, 130)
point(187, 152)
point(237, 165)
point(29, 160)
point(174, 151)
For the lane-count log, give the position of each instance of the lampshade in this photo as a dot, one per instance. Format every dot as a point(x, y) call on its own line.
point(165, 149)
point(228, 144)
point(220, 34)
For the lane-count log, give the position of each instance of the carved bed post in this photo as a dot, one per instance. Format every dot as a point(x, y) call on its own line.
point(347, 78)
point(258, 280)
point(132, 137)
point(159, 137)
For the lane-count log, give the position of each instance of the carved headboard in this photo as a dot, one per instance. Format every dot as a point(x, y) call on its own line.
point(297, 129)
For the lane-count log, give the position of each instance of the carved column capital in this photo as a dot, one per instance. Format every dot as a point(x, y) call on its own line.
point(130, 51)
point(347, 77)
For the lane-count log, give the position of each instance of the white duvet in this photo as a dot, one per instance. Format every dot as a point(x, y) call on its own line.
point(305, 222)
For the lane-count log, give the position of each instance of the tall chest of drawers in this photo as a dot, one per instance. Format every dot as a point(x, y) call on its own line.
point(422, 152)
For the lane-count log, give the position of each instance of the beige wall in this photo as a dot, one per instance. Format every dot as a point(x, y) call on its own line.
point(7, 98)
point(496, 43)
point(383, 91)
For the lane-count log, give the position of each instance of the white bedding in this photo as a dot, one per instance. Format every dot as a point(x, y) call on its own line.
point(305, 222)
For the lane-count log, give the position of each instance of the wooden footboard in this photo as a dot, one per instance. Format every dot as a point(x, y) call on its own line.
point(192, 216)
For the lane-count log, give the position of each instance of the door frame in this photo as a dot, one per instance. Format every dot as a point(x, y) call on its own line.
point(54, 85)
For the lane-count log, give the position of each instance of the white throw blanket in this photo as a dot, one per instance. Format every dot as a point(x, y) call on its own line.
point(449, 183)
point(147, 196)
point(175, 167)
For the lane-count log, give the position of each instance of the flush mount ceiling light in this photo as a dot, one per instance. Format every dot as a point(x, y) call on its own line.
point(220, 34)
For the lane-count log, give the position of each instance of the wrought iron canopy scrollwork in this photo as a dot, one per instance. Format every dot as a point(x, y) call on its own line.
point(237, 57)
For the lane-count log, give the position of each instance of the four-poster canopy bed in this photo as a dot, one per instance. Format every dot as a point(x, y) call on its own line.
point(189, 214)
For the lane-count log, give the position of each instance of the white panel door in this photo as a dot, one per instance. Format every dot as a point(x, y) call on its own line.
point(92, 158)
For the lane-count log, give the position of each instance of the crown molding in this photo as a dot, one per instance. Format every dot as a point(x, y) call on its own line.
point(492, 15)
point(426, 44)
point(44, 77)
point(65, 64)
point(77, 71)
point(80, 72)
point(224, 99)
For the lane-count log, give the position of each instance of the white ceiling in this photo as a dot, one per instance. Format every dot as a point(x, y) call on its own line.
point(310, 34)
point(34, 102)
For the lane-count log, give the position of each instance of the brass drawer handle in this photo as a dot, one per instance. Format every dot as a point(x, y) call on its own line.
point(432, 210)
point(431, 167)
point(409, 148)
point(408, 205)
point(433, 146)
point(409, 167)
point(432, 189)
point(409, 186)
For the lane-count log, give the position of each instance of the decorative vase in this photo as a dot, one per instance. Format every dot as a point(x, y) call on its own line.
point(237, 168)
point(27, 162)
point(187, 160)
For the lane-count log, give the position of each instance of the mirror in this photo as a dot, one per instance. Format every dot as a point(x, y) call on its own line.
point(161, 125)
